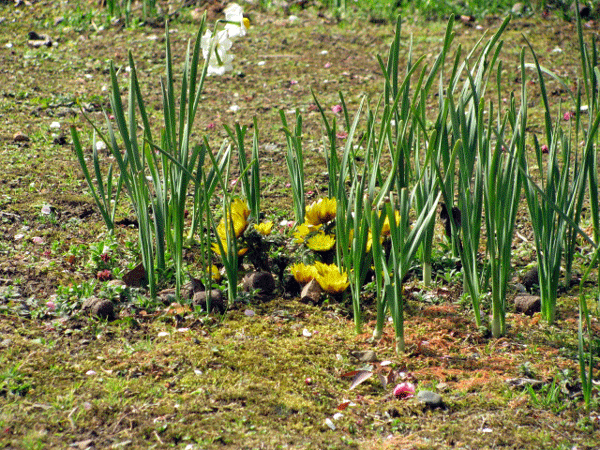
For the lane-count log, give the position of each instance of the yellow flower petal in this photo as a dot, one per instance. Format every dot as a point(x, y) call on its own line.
point(304, 230)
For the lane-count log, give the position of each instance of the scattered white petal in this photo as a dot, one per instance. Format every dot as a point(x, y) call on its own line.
point(182, 330)
point(163, 333)
point(127, 69)
point(261, 63)
point(486, 430)
point(306, 333)
point(339, 357)
point(152, 37)
point(329, 423)
point(90, 373)
point(385, 363)
point(37, 240)
point(293, 19)
point(19, 236)
point(324, 52)
point(100, 145)
point(337, 416)
point(55, 125)
point(89, 76)
point(234, 108)
point(557, 50)
point(249, 313)
point(197, 372)
point(46, 210)
point(8, 45)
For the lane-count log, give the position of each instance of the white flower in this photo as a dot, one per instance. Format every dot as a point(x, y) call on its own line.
point(235, 13)
point(218, 46)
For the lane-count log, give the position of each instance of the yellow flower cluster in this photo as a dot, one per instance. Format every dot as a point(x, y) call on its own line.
point(328, 276)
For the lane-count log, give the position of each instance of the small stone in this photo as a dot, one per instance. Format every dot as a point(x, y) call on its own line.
point(136, 277)
point(116, 283)
point(216, 300)
point(99, 307)
point(518, 9)
point(530, 279)
point(528, 304)
point(311, 293)
point(584, 10)
point(20, 137)
point(167, 296)
point(38, 40)
point(431, 399)
point(261, 281)
point(524, 382)
point(366, 356)
point(83, 445)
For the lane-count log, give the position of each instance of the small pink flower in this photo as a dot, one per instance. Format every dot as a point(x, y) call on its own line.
point(341, 135)
point(292, 82)
point(545, 149)
point(337, 109)
point(104, 257)
point(104, 275)
point(210, 126)
point(287, 185)
point(404, 390)
point(37, 240)
point(327, 65)
point(309, 193)
point(568, 115)
point(51, 305)
point(234, 181)
point(47, 253)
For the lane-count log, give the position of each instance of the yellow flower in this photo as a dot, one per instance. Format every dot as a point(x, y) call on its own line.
point(238, 214)
point(303, 273)
point(214, 272)
point(304, 230)
point(321, 242)
point(385, 228)
point(321, 211)
point(330, 278)
point(264, 228)
point(216, 249)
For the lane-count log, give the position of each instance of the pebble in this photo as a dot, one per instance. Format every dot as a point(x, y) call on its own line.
point(20, 137)
point(431, 399)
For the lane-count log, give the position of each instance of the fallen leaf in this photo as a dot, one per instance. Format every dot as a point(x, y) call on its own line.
point(342, 406)
point(360, 377)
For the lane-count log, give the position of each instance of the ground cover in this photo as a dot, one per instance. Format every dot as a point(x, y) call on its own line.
point(267, 373)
